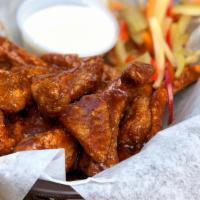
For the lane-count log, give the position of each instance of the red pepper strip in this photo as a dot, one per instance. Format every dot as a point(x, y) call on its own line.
point(169, 38)
point(169, 86)
point(124, 34)
point(169, 71)
point(155, 76)
point(170, 8)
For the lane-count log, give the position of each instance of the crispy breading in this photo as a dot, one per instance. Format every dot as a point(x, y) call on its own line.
point(6, 142)
point(52, 139)
point(126, 151)
point(84, 120)
point(116, 101)
point(30, 71)
point(131, 84)
point(144, 90)
point(54, 92)
point(135, 127)
point(137, 122)
point(30, 124)
point(63, 61)
point(188, 77)
point(109, 74)
point(5, 64)
point(16, 55)
point(139, 73)
point(35, 123)
point(89, 166)
point(16, 128)
point(157, 105)
point(15, 92)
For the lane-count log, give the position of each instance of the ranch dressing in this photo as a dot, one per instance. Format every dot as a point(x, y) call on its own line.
point(70, 29)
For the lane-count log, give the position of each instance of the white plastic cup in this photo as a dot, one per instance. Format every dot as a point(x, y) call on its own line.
point(29, 7)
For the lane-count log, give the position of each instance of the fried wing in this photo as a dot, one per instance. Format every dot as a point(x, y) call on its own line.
point(188, 77)
point(136, 126)
point(157, 105)
point(109, 75)
point(139, 73)
point(52, 139)
point(94, 119)
point(144, 90)
point(15, 126)
point(17, 56)
point(116, 101)
point(63, 61)
point(30, 124)
point(6, 142)
point(54, 92)
point(15, 92)
point(30, 71)
point(88, 121)
point(35, 123)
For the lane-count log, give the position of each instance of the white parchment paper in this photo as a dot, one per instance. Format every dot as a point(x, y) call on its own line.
point(19, 171)
point(167, 168)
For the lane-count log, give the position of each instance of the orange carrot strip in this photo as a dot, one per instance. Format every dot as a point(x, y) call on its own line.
point(157, 71)
point(150, 8)
point(148, 41)
point(130, 58)
point(116, 6)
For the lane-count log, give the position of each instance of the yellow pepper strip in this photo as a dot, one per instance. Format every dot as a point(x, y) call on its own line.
point(161, 10)
point(187, 9)
point(158, 48)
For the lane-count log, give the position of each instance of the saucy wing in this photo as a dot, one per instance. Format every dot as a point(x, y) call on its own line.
point(28, 124)
point(88, 121)
point(135, 127)
point(15, 92)
point(17, 56)
point(53, 139)
point(136, 124)
point(63, 61)
point(30, 71)
point(54, 92)
point(109, 75)
point(7, 143)
point(189, 76)
point(116, 101)
point(157, 105)
point(94, 121)
point(139, 73)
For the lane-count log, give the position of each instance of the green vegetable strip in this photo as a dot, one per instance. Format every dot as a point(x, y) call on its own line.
point(136, 21)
